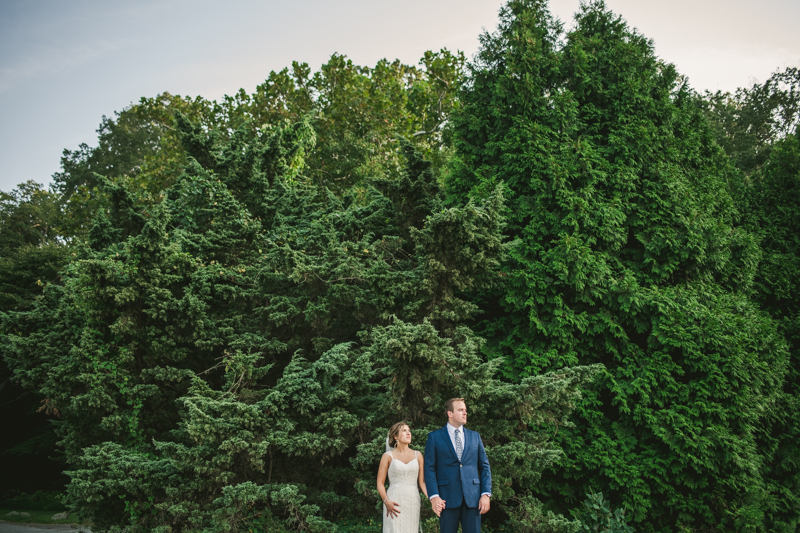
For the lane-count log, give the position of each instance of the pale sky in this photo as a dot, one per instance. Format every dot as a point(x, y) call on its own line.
point(65, 63)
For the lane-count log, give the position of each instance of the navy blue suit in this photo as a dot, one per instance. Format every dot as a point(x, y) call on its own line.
point(459, 483)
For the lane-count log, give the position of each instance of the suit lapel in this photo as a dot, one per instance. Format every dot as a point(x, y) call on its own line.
point(446, 437)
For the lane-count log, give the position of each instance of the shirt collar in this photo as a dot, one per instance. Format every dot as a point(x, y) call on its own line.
point(451, 430)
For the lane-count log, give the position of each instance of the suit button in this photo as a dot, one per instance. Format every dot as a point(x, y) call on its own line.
point(462, 466)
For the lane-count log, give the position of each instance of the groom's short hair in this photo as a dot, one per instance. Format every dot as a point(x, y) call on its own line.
point(448, 405)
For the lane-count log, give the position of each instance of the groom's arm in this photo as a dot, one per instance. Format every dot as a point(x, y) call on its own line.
point(484, 470)
point(431, 483)
point(485, 473)
point(430, 468)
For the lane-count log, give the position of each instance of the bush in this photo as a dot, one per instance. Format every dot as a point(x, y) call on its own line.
point(596, 515)
point(235, 353)
point(41, 500)
point(629, 253)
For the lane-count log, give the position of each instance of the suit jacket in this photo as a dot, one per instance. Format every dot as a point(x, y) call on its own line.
point(455, 481)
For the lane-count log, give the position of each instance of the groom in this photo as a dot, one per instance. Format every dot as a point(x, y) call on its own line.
point(457, 472)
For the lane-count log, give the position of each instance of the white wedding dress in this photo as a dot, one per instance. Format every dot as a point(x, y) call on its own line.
point(403, 490)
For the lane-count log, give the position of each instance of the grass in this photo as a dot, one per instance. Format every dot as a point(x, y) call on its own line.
point(36, 517)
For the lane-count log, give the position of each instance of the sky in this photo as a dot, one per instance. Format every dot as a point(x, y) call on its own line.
point(65, 64)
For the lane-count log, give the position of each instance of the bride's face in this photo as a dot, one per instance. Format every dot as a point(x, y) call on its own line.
point(404, 436)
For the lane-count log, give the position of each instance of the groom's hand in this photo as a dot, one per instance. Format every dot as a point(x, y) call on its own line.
point(437, 504)
point(483, 505)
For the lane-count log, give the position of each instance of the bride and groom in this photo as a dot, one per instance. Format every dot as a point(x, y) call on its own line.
point(454, 475)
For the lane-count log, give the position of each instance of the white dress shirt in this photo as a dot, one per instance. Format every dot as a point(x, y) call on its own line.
point(451, 430)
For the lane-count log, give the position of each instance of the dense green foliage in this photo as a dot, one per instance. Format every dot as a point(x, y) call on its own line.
point(31, 255)
point(596, 515)
point(758, 127)
point(751, 121)
point(357, 114)
point(242, 346)
point(225, 304)
point(775, 215)
point(30, 251)
point(630, 254)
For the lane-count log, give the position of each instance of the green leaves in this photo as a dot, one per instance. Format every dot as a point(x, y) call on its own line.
point(233, 354)
point(596, 515)
point(353, 114)
point(629, 254)
point(750, 122)
point(268, 282)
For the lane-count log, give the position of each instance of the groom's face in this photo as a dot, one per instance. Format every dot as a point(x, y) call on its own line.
point(458, 416)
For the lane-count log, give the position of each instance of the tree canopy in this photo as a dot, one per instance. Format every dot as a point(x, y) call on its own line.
point(630, 253)
point(241, 347)
point(224, 305)
point(357, 113)
point(751, 121)
point(758, 127)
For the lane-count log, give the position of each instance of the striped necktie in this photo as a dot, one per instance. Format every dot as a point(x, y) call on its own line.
point(459, 446)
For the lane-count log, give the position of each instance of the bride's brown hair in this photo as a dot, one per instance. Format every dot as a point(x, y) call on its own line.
point(394, 431)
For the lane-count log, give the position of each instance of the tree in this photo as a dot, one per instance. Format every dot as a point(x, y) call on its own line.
point(31, 254)
point(140, 154)
point(234, 354)
point(773, 209)
point(629, 254)
point(749, 122)
point(31, 250)
point(757, 126)
point(138, 147)
point(28, 217)
point(358, 114)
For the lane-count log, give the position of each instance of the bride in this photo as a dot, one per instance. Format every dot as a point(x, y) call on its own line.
point(404, 467)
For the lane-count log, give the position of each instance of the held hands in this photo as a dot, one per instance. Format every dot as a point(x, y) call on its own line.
point(392, 508)
point(483, 504)
point(437, 504)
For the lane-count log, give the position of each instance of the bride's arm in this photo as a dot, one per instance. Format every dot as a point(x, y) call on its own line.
point(392, 508)
point(421, 462)
point(382, 470)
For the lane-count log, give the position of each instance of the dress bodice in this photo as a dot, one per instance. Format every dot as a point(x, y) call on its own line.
point(401, 473)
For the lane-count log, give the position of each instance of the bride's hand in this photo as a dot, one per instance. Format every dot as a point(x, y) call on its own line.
point(392, 509)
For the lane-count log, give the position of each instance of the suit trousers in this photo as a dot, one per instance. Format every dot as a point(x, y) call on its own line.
point(469, 517)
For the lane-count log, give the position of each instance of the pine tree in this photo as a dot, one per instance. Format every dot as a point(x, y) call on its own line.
point(772, 205)
point(629, 253)
point(231, 357)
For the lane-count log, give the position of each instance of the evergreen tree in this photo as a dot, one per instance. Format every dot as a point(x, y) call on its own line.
point(231, 357)
point(357, 114)
point(757, 126)
point(628, 254)
point(772, 203)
